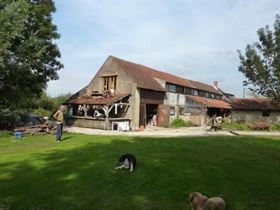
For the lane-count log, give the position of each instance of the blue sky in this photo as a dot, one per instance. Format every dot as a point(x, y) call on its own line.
point(197, 40)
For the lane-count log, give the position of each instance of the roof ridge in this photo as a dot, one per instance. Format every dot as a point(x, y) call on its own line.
point(254, 99)
point(168, 77)
point(160, 71)
point(152, 83)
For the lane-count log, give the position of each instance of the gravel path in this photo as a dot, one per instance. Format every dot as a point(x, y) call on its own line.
point(151, 131)
point(170, 132)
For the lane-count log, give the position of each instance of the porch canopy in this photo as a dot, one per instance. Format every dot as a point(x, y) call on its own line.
point(212, 106)
point(104, 102)
point(210, 102)
point(262, 104)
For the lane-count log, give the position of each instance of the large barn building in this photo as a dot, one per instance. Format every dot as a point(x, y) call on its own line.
point(132, 94)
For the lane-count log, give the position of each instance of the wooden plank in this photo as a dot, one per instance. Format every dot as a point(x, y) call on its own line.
point(142, 117)
point(163, 115)
point(151, 97)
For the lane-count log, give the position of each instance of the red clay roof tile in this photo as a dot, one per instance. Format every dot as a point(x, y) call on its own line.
point(100, 100)
point(254, 104)
point(145, 77)
point(211, 103)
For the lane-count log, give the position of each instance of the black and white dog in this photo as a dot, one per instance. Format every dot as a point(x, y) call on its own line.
point(126, 161)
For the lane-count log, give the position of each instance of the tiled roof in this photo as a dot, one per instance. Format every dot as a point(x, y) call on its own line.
point(254, 104)
point(98, 100)
point(203, 86)
point(144, 77)
point(140, 74)
point(211, 103)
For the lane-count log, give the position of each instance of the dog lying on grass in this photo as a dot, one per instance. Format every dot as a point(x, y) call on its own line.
point(126, 161)
point(201, 202)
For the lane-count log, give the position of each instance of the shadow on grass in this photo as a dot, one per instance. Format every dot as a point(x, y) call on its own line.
point(66, 138)
point(83, 177)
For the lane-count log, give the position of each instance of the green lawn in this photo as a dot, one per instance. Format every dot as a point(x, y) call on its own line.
point(38, 173)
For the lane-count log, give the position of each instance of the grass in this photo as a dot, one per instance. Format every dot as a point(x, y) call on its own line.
point(236, 126)
point(38, 173)
point(251, 126)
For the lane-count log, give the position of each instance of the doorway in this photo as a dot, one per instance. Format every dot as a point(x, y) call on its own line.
point(151, 110)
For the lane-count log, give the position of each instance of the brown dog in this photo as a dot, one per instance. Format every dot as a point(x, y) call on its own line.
point(201, 202)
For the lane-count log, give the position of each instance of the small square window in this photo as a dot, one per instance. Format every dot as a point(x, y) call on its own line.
point(179, 89)
point(181, 110)
point(195, 92)
point(171, 88)
point(188, 91)
point(172, 110)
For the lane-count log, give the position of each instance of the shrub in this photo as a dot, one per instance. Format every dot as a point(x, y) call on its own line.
point(178, 122)
point(4, 134)
point(235, 126)
point(188, 124)
point(275, 126)
point(9, 118)
point(42, 112)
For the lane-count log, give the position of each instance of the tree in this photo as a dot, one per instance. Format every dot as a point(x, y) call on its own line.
point(61, 98)
point(29, 58)
point(46, 102)
point(260, 63)
point(253, 94)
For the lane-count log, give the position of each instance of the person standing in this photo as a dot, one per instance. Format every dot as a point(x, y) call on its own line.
point(59, 122)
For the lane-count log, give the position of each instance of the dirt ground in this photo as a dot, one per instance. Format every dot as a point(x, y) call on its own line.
point(170, 132)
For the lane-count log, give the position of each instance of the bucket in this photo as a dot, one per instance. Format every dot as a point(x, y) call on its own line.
point(18, 134)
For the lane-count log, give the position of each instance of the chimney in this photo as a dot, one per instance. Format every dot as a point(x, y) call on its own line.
point(216, 84)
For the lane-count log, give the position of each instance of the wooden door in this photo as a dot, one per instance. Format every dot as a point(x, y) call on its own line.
point(163, 115)
point(142, 117)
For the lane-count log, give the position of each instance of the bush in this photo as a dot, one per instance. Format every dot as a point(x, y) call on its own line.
point(188, 124)
point(4, 134)
point(275, 126)
point(179, 122)
point(42, 112)
point(235, 126)
point(9, 118)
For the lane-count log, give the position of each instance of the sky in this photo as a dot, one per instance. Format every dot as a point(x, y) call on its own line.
point(194, 39)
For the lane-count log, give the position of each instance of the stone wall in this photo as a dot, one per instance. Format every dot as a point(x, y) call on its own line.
point(248, 116)
point(124, 84)
point(86, 122)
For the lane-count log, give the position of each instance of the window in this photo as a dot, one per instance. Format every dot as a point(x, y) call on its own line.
point(195, 92)
point(202, 93)
point(109, 83)
point(265, 114)
point(171, 88)
point(217, 96)
point(172, 110)
point(188, 91)
point(181, 110)
point(179, 89)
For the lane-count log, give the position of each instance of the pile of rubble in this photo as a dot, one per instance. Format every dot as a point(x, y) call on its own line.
point(47, 127)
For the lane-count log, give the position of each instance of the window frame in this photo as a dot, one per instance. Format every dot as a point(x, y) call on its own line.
point(171, 87)
point(172, 110)
point(109, 83)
